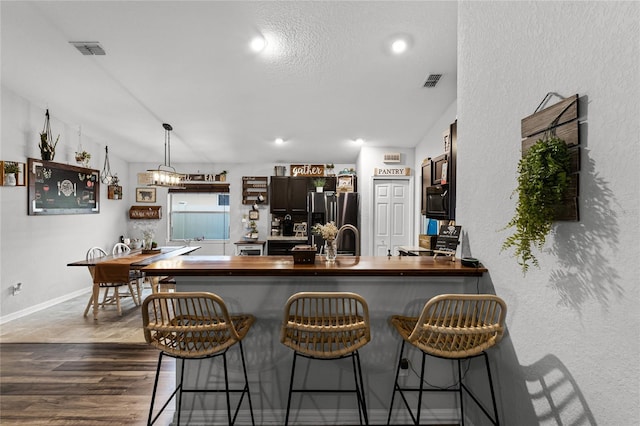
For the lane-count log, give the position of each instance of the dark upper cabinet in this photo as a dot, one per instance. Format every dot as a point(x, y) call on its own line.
point(439, 180)
point(288, 194)
point(298, 189)
point(279, 194)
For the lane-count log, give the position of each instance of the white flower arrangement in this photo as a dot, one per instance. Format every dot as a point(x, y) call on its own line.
point(329, 231)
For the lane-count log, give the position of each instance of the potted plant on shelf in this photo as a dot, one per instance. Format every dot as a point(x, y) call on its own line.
point(223, 176)
point(330, 168)
point(83, 158)
point(11, 169)
point(319, 184)
point(542, 181)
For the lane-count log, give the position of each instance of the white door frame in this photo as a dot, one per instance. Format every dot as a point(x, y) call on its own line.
point(411, 206)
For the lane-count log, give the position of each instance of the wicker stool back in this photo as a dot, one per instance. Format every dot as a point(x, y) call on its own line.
point(327, 326)
point(194, 326)
point(453, 326)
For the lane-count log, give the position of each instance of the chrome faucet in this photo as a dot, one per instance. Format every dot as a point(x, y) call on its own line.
point(355, 232)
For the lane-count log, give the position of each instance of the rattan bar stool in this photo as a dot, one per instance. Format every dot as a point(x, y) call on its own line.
point(454, 326)
point(327, 326)
point(194, 326)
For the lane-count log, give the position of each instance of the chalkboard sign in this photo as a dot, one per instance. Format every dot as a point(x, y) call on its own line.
point(448, 238)
point(56, 188)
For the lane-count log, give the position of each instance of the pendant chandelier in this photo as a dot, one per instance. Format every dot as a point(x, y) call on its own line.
point(165, 175)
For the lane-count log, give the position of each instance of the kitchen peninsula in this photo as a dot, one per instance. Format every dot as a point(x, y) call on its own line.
point(261, 285)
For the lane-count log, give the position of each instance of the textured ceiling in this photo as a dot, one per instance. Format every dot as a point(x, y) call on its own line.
point(326, 77)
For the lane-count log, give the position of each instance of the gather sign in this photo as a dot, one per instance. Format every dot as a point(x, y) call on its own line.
point(307, 169)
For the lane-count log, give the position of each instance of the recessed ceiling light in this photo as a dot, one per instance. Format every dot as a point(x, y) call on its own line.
point(399, 46)
point(279, 141)
point(359, 141)
point(258, 44)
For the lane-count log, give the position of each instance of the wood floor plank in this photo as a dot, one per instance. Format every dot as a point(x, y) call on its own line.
point(80, 384)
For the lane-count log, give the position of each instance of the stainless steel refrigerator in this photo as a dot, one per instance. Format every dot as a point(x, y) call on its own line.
point(343, 209)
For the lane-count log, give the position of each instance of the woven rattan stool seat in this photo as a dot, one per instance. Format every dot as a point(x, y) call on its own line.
point(327, 326)
point(192, 326)
point(453, 326)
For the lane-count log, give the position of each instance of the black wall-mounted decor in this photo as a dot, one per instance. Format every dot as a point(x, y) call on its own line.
point(56, 188)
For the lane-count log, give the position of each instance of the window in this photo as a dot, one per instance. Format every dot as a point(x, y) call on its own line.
point(199, 213)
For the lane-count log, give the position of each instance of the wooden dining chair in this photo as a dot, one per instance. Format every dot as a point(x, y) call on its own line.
point(452, 326)
point(327, 326)
point(94, 253)
point(190, 327)
point(136, 277)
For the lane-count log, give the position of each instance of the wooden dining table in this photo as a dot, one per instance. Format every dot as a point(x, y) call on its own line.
point(116, 268)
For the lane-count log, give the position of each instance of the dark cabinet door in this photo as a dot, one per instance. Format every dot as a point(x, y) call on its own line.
point(426, 182)
point(298, 194)
point(279, 196)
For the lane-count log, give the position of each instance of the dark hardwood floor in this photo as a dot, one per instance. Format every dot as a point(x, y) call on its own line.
point(80, 383)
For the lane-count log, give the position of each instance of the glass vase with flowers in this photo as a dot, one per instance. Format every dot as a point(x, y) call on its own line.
point(328, 232)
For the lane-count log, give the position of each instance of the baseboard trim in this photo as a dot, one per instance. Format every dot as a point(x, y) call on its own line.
point(314, 418)
point(44, 305)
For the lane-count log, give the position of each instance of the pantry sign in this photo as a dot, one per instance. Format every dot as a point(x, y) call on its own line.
point(392, 171)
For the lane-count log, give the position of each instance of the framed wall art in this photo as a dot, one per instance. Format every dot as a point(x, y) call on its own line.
point(56, 188)
point(145, 195)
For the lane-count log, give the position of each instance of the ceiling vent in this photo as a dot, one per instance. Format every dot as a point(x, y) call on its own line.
point(432, 80)
point(88, 47)
point(392, 157)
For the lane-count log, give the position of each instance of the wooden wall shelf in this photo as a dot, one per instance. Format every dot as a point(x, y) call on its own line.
point(252, 187)
point(145, 212)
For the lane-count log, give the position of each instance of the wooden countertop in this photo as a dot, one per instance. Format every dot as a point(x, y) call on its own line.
point(284, 266)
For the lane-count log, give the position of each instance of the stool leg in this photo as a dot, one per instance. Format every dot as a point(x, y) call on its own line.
point(293, 370)
point(182, 362)
point(460, 392)
point(424, 356)
point(155, 387)
point(246, 382)
point(493, 397)
point(395, 383)
point(226, 386)
point(357, 375)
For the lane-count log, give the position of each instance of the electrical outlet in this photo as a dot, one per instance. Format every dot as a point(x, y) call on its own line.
point(404, 367)
point(17, 289)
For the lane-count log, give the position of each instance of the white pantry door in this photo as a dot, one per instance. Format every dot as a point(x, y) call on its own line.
point(392, 219)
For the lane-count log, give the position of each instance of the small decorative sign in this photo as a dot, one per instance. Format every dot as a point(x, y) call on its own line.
point(448, 238)
point(199, 177)
point(307, 169)
point(392, 171)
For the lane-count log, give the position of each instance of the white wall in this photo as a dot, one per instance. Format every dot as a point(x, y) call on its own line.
point(35, 250)
point(572, 324)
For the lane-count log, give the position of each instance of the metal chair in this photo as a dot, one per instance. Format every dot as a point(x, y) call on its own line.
point(457, 327)
point(194, 326)
point(94, 253)
point(327, 326)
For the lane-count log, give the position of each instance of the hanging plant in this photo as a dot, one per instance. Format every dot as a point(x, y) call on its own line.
point(47, 145)
point(542, 181)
